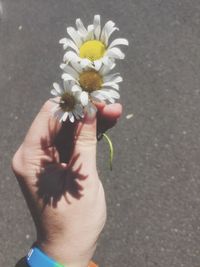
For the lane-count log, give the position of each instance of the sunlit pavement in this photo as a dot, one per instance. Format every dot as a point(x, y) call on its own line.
point(154, 188)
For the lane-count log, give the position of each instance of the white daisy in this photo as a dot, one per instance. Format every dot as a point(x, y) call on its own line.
point(96, 81)
point(92, 44)
point(70, 103)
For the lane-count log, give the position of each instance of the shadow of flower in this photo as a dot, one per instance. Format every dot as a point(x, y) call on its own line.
point(54, 182)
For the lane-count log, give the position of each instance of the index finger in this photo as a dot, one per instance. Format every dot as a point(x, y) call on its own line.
point(44, 128)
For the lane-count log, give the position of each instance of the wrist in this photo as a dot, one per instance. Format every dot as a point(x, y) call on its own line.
point(36, 257)
point(66, 256)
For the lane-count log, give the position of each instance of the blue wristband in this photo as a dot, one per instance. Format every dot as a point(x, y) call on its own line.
point(37, 258)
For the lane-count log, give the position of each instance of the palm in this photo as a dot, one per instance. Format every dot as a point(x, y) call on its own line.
point(56, 168)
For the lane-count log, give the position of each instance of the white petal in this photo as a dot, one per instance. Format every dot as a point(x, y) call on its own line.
point(90, 35)
point(97, 64)
point(118, 41)
point(76, 114)
point(110, 77)
point(90, 28)
point(67, 77)
point(96, 99)
point(115, 53)
point(98, 95)
point(66, 85)
point(111, 100)
point(107, 31)
point(106, 69)
point(63, 41)
point(84, 98)
point(78, 111)
point(109, 25)
point(117, 79)
point(62, 65)
point(86, 63)
point(75, 36)
point(113, 65)
point(108, 61)
point(65, 116)
point(54, 92)
point(57, 88)
point(111, 93)
point(68, 43)
point(111, 84)
point(76, 66)
point(76, 88)
point(105, 97)
point(97, 26)
point(71, 117)
point(81, 28)
point(70, 56)
point(69, 70)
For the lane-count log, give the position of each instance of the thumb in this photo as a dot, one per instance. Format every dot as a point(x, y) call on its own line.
point(85, 135)
point(85, 142)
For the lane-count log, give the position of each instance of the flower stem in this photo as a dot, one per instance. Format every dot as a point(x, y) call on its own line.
point(110, 147)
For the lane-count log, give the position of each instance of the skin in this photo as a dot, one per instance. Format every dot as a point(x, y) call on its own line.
point(56, 170)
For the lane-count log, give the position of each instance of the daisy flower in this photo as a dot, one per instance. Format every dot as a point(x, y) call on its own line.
point(70, 103)
point(91, 45)
point(96, 82)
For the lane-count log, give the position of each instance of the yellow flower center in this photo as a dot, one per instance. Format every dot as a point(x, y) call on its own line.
point(90, 81)
point(67, 102)
point(92, 50)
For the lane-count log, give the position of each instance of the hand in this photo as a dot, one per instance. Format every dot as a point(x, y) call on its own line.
point(56, 169)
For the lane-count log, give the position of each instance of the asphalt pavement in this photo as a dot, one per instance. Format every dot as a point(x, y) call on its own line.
point(153, 192)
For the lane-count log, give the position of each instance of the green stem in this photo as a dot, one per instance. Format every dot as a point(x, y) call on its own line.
point(110, 147)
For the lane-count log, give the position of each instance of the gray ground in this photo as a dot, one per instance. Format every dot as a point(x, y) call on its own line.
point(153, 193)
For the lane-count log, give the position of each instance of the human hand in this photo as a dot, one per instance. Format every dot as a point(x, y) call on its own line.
point(56, 169)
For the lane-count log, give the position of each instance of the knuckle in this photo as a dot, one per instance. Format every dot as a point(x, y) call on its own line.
point(16, 162)
point(47, 106)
